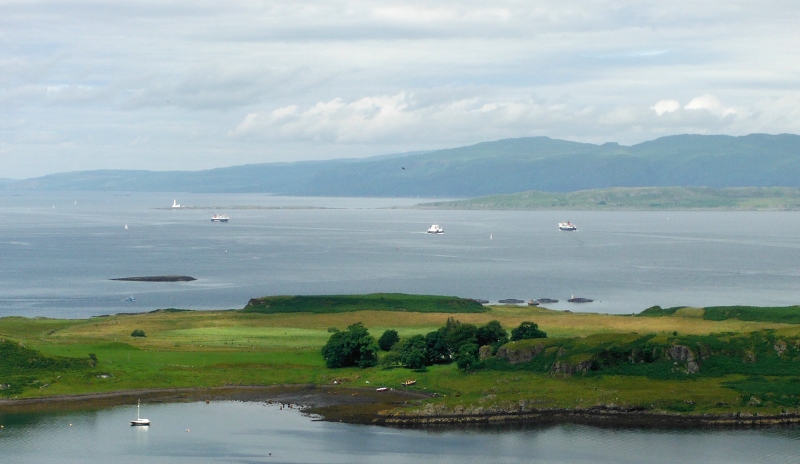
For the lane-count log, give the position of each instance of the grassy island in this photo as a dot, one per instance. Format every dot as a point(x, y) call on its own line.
point(639, 199)
point(728, 365)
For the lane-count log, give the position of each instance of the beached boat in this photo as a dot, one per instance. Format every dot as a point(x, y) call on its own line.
point(220, 218)
point(435, 229)
point(408, 383)
point(139, 420)
point(568, 226)
point(381, 389)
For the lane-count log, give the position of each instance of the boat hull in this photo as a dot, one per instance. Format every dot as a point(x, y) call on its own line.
point(140, 422)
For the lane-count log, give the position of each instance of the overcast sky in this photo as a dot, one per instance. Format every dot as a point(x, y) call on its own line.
point(196, 84)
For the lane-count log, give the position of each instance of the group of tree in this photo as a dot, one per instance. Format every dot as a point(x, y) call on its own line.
point(352, 347)
point(455, 342)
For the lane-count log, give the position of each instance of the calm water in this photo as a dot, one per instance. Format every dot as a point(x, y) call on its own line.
point(60, 250)
point(233, 432)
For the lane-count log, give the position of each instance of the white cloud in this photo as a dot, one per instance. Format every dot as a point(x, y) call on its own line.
point(666, 106)
point(182, 84)
point(711, 104)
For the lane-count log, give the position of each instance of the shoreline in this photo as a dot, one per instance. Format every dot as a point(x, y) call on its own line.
point(368, 407)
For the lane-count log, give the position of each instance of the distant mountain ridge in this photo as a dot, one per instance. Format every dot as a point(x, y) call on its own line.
point(499, 167)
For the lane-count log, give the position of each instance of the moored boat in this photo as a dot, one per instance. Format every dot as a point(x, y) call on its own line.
point(139, 420)
point(220, 218)
point(435, 229)
point(568, 226)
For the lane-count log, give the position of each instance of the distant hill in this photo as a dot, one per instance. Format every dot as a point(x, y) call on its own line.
point(638, 198)
point(504, 166)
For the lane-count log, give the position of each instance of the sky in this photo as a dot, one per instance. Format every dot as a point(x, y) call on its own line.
point(198, 84)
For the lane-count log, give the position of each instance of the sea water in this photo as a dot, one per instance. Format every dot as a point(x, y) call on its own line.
point(238, 432)
point(59, 252)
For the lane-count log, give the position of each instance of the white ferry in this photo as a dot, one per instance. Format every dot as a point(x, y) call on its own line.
point(220, 218)
point(567, 226)
point(435, 229)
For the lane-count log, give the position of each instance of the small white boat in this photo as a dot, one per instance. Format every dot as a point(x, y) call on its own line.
point(567, 226)
point(175, 204)
point(139, 420)
point(435, 229)
point(220, 218)
point(381, 389)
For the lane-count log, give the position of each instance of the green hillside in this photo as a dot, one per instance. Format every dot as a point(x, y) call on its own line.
point(499, 167)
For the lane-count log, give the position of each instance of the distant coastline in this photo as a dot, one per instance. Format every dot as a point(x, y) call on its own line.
point(637, 199)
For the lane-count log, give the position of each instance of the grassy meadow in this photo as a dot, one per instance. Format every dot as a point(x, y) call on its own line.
point(220, 348)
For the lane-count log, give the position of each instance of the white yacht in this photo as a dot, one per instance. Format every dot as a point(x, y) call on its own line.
point(435, 229)
point(567, 226)
point(139, 420)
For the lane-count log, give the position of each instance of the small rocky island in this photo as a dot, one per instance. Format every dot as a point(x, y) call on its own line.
point(161, 278)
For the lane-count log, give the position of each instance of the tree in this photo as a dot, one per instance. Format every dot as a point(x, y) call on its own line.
point(388, 339)
point(138, 333)
point(527, 330)
point(491, 334)
point(436, 349)
point(413, 352)
point(467, 357)
point(352, 347)
point(462, 334)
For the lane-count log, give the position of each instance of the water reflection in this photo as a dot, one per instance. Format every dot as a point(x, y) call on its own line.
point(237, 432)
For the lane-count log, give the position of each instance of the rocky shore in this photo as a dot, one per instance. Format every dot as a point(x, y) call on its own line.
point(367, 406)
point(159, 278)
point(598, 416)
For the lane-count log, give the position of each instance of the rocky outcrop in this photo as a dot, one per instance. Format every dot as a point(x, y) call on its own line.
point(684, 354)
point(160, 278)
point(780, 346)
point(521, 355)
point(562, 367)
point(485, 352)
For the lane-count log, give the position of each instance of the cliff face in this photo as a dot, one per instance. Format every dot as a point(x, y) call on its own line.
point(519, 355)
point(565, 359)
point(684, 354)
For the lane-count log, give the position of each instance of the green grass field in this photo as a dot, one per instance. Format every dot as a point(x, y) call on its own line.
point(743, 369)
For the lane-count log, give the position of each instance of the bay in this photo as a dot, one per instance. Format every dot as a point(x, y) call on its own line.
point(60, 250)
point(240, 432)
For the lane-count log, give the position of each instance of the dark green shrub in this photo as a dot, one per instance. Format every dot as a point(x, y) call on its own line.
point(353, 347)
point(413, 352)
point(527, 330)
point(388, 340)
